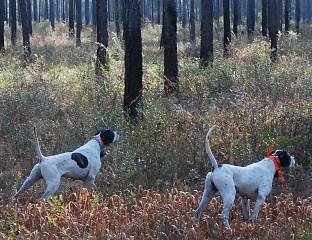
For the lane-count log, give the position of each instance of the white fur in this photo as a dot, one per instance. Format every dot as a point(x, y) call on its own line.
point(251, 182)
point(52, 168)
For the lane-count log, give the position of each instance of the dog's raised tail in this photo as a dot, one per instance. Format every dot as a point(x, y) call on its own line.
point(208, 149)
point(41, 157)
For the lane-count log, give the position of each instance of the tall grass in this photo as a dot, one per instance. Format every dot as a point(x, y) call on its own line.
point(253, 102)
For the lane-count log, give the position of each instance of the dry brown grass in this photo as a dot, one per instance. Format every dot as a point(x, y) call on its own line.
point(148, 214)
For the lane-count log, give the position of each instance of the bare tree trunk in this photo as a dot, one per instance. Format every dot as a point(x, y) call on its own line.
point(117, 14)
point(87, 12)
point(71, 23)
point(79, 22)
point(2, 6)
point(13, 21)
point(235, 17)
point(192, 22)
point(102, 36)
point(227, 29)
point(52, 18)
point(171, 81)
point(264, 17)
point(273, 27)
point(287, 15)
point(25, 27)
point(206, 48)
point(133, 61)
point(250, 19)
point(297, 15)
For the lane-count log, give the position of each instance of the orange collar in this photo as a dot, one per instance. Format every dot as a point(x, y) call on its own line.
point(100, 140)
point(277, 162)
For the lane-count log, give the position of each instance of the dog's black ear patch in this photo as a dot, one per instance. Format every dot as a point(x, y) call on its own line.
point(284, 158)
point(107, 136)
point(80, 159)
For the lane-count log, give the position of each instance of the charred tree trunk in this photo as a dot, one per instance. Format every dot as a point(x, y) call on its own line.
point(133, 61)
point(13, 21)
point(264, 18)
point(206, 48)
point(25, 28)
point(192, 21)
point(102, 36)
point(52, 18)
point(71, 23)
point(2, 6)
point(250, 19)
point(227, 29)
point(297, 15)
point(171, 81)
point(79, 22)
point(273, 27)
point(287, 15)
point(117, 14)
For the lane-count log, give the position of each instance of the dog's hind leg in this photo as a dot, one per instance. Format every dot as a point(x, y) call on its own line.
point(52, 179)
point(258, 204)
point(34, 176)
point(246, 208)
point(228, 197)
point(209, 192)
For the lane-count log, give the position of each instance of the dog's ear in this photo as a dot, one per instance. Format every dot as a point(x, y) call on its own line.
point(284, 157)
point(107, 136)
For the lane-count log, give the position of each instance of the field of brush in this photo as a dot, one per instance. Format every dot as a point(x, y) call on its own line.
point(151, 181)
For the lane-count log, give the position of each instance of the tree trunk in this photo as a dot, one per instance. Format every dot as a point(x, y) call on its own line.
point(13, 21)
point(102, 36)
point(71, 23)
point(79, 22)
point(36, 19)
point(297, 15)
point(117, 14)
point(250, 19)
point(171, 81)
point(264, 17)
point(25, 29)
point(52, 18)
point(206, 48)
point(184, 12)
point(87, 12)
point(235, 17)
point(192, 22)
point(133, 61)
point(46, 9)
point(2, 6)
point(287, 15)
point(29, 18)
point(227, 29)
point(273, 27)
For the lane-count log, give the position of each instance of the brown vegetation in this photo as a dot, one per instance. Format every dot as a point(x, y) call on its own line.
point(253, 102)
point(147, 214)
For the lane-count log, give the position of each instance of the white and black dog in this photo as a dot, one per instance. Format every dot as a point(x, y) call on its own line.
point(251, 182)
point(82, 164)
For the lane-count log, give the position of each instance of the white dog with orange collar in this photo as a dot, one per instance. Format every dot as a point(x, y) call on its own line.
point(82, 164)
point(251, 182)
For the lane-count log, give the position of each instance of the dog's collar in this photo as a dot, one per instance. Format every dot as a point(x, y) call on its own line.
point(277, 162)
point(101, 143)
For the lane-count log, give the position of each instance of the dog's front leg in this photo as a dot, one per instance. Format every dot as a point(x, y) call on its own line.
point(258, 204)
point(246, 208)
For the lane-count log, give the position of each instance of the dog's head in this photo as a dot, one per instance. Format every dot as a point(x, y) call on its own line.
point(108, 136)
point(285, 158)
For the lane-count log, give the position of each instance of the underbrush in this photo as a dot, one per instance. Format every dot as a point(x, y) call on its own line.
point(253, 102)
point(148, 214)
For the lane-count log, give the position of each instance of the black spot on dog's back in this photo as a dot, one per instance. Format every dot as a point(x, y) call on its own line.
point(80, 159)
